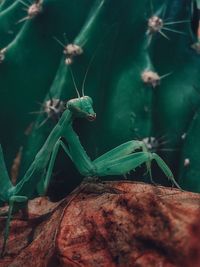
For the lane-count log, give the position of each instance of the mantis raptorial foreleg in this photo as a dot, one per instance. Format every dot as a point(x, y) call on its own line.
point(34, 176)
point(51, 163)
point(76, 153)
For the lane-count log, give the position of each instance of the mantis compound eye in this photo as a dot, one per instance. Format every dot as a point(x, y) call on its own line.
point(91, 117)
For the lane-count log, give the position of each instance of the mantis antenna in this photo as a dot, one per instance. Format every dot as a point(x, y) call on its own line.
point(74, 82)
point(60, 43)
point(86, 73)
point(88, 68)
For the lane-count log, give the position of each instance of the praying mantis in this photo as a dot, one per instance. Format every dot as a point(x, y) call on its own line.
point(117, 161)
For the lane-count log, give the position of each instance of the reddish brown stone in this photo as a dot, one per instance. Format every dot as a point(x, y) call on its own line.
point(113, 224)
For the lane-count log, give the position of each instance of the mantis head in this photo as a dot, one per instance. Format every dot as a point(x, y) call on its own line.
point(82, 107)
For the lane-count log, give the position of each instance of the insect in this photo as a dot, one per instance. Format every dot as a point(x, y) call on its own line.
point(117, 161)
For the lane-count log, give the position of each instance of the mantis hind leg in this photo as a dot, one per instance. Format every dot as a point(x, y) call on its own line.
point(126, 163)
point(123, 164)
point(12, 200)
point(163, 166)
point(123, 150)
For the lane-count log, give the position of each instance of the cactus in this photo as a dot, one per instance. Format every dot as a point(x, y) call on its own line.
point(138, 60)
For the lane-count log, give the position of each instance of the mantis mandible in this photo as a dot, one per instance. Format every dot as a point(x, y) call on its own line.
point(117, 161)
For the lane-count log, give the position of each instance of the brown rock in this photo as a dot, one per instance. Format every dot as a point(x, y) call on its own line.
point(112, 224)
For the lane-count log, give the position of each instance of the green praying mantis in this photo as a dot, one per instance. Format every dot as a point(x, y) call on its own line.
point(118, 161)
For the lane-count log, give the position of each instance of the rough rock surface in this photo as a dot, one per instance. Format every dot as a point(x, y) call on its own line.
point(112, 224)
